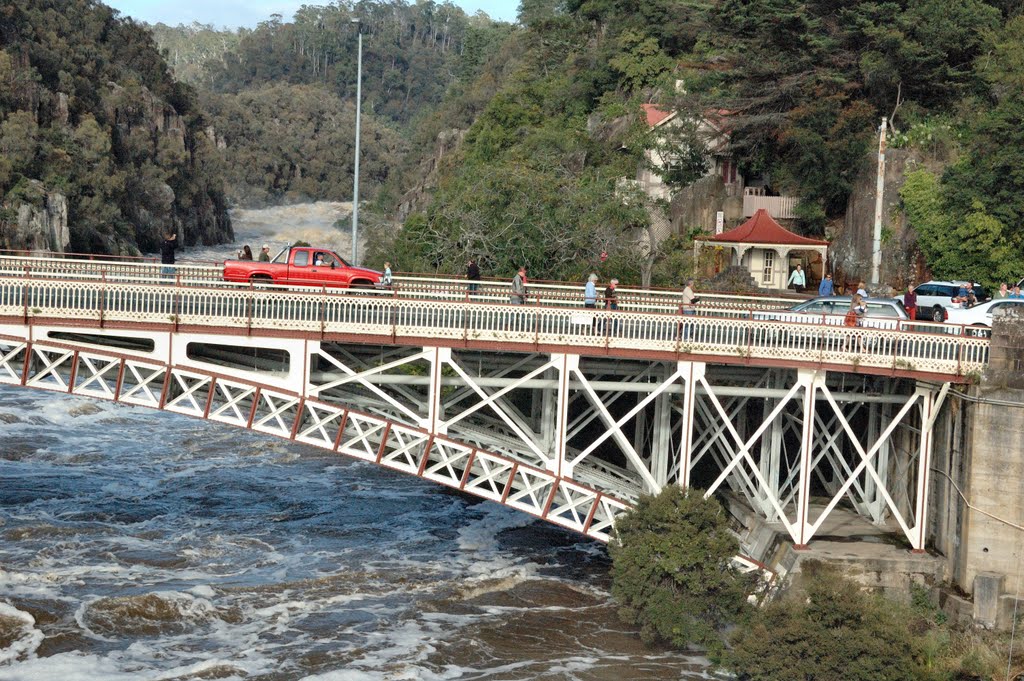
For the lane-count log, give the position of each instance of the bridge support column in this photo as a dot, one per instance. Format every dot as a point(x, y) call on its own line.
point(771, 454)
point(437, 357)
point(810, 381)
point(931, 401)
point(559, 463)
point(661, 436)
point(693, 374)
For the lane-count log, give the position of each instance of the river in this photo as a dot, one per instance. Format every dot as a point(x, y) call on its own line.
point(137, 544)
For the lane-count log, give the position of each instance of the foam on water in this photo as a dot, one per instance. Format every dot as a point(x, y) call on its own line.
point(281, 226)
point(179, 549)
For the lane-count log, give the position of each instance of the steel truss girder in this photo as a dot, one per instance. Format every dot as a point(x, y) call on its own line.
point(537, 462)
point(291, 416)
point(788, 494)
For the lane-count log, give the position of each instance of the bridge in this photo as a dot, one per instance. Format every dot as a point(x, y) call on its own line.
point(563, 412)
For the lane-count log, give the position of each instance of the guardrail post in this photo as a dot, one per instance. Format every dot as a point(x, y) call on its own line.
point(24, 295)
point(175, 304)
point(103, 293)
point(249, 304)
point(536, 324)
point(323, 310)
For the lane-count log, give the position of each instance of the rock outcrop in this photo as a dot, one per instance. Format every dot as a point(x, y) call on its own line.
point(41, 226)
point(419, 196)
point(850, 250)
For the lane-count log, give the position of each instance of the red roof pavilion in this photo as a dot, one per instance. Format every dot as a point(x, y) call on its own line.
point(761, 228)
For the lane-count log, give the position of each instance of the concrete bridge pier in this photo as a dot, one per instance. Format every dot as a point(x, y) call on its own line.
point(978, 492)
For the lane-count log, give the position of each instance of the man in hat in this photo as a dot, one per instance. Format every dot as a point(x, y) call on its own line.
point(265, 253)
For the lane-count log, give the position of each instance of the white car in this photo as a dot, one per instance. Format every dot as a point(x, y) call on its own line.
point(981, 315)
point(935, 299)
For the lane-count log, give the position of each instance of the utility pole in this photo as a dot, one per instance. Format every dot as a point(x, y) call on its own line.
point(876, 243)
point(355, 180)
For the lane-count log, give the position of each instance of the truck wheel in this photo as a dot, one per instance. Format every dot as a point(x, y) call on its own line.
point(260, 280)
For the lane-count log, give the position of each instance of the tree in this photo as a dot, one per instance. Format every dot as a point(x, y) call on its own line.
point(672, 571)
point(825, 628)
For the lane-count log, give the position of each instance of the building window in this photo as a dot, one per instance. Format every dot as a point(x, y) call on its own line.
point(768, 267)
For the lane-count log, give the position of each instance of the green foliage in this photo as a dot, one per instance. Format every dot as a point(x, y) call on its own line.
point(88, 108)
point(826, 628)
point(975, 245)
point(809, 82)
point(672, 572)
point(675, 263)
point(410, 53)
point(189, 49)
point(297, 141)
point(510, 214)
point(640, 60)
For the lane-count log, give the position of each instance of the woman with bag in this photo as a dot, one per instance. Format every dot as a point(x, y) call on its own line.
point(855, 317)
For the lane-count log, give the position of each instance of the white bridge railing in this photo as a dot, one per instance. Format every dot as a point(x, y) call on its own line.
point(715, 332)
point(405, 286)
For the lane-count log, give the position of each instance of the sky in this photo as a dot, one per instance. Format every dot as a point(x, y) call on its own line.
point(235, 13)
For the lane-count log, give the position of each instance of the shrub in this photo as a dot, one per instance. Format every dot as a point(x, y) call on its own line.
point(825, 628)
point(672, 571)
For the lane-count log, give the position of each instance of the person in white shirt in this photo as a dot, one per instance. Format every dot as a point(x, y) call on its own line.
point(689, 307)
point(590, 291)
point(797, 279)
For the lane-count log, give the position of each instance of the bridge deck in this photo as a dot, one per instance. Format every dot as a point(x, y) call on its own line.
point(438, 314)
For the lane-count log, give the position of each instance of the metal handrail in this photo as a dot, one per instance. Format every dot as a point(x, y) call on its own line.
point(717, 331)
point(404, 284)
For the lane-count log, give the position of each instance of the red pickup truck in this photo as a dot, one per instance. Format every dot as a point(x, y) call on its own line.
point(302, 266)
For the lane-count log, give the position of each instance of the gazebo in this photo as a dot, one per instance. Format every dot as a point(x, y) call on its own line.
point(765, 248)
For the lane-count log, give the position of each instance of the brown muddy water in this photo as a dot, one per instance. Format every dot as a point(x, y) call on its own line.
point(139, 545)
point(142, 545)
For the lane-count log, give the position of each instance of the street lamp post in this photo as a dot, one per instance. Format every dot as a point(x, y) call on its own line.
point(355, 179)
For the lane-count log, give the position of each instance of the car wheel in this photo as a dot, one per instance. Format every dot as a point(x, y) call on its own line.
point(938, 314)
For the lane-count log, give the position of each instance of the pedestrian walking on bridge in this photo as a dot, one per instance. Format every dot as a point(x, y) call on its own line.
point(473, 275)
point(825, 287)
point(167, 247)
point(519, 287)
point(910, 302)
point(590, 291)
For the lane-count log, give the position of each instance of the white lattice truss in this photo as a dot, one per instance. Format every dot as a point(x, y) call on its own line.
point(664, 424)
point(291, 416)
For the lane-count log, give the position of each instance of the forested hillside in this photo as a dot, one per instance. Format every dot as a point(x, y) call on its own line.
point(801, 88)
point(282, 96)
point(92, 123)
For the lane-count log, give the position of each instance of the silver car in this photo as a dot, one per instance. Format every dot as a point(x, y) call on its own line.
point(882, 313)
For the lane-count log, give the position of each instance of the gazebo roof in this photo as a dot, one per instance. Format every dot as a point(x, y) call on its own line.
point(762, 229)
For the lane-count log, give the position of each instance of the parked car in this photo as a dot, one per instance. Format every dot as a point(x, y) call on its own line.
point(882, 313)
point(302, 266)
point(935, 298)
point(980, 316)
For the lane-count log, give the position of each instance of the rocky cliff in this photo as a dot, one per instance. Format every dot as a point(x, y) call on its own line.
point(100, 150)
point(418, 197)
point(40, 226)
point(851, 239)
